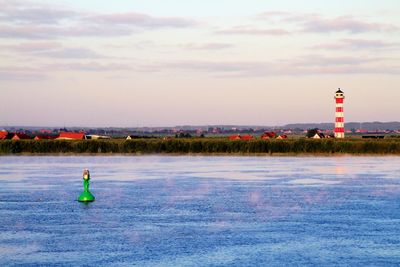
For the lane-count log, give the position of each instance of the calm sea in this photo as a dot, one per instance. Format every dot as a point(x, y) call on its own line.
point(200, 211)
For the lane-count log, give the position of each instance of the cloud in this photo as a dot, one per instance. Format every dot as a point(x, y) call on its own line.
point(345, 23)
point(167, 47)
point(44, 71)
point(30, 20)
point(318, 60)
point(356, 44)
point(207, 46)
point(33, 47)
point(28, 32)
point(306, 65)
point(211, 66)
point(51, 50)
point(88, 67)
point(35, 32)
point(34, 13)
point(309, 23)
point(317, 23)
point(141, 20)
point(21, 74)
point(301, 66)
point(244, 30)
point(78, 52)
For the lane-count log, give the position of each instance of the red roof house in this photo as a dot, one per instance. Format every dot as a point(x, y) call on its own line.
point(20, 136)
point(246, 137)
point(3, 135)
point(268, 135)
point(71, 136)
point(240, 137)
point(282, 137)
point(43, 137)
point(234, 137)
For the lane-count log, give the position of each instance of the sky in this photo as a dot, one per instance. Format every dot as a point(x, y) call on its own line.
point(135, 63)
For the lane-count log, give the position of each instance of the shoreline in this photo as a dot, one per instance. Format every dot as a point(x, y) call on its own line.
point(300, 155)
point(204, 147)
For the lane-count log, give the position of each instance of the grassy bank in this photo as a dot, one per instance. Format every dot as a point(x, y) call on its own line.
point(203, 146)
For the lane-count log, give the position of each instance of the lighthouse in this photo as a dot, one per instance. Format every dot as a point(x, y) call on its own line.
point(339, 121)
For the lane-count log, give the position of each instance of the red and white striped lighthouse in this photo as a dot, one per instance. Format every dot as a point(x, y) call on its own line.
point(339, 122)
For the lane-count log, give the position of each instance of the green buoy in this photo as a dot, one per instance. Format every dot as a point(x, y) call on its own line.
point(86, 196)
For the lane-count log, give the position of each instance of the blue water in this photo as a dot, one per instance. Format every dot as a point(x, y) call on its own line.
point(201, 211)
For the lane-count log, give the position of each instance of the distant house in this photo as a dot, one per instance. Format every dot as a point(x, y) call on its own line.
point(71, 136)
point(241, 137)
point(281, 137)
point(318, 136)
point(43, 137)
point(234, 137)
point(6, 135)
point(20, 136)
point(246, 137)
point(3, 135)
point(268, 135)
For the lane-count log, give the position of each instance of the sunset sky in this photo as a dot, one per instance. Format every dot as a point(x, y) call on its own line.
point(172, 62)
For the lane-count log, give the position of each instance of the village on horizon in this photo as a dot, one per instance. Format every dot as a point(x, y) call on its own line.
point(317, 131)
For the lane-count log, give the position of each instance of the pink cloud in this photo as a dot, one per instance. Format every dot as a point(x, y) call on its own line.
point(141, 20)
point(242, 30)
point(318, 60)
point(29, 12)
point(53, 32)
point(345, 23)
point(30, 20)
point(27, 32)
point(313, 22)
point(70, 53)
point(21, 74)
point(306, 65)
point(354, 44)
point(89, 66)
point(51, 50)
point(34, 47)
point(208, 46)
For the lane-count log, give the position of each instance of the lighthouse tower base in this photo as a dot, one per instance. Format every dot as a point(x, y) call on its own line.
point(339, 135)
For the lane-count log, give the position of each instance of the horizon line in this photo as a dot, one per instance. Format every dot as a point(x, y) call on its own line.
point(188, 125)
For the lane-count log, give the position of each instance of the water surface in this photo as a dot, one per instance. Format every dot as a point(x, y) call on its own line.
point(207, 211)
